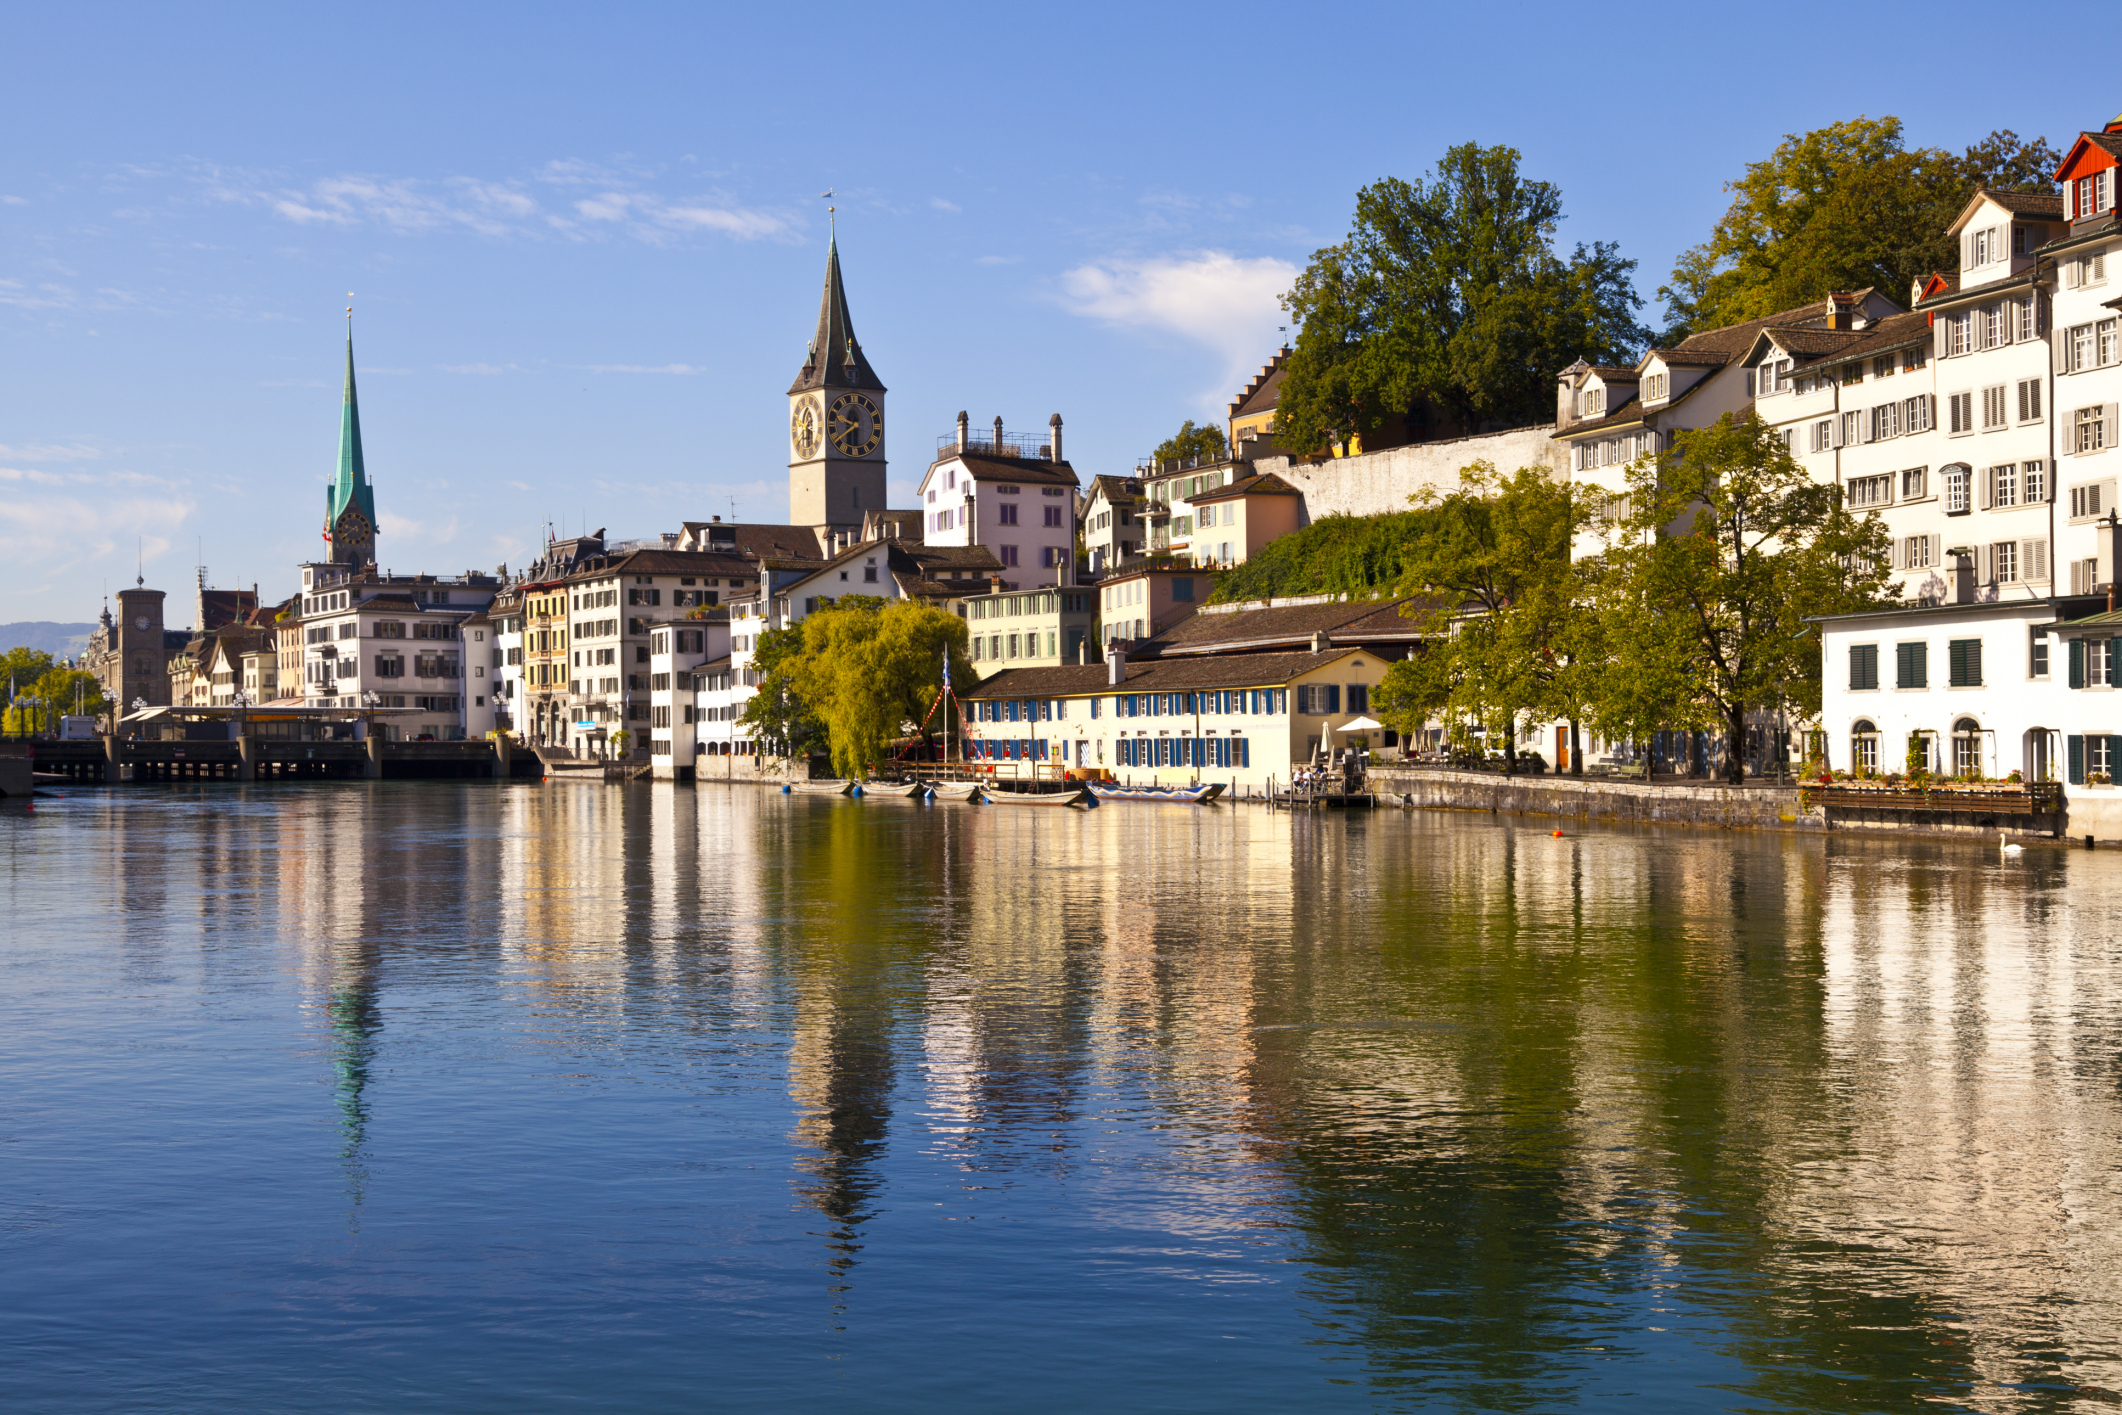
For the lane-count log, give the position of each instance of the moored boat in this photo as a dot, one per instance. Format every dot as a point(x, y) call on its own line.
point(822, 788)
point(957, 790)
point(1000, 796)
point(1196, 794)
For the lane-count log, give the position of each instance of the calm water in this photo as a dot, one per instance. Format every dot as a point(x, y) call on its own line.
point(429, 1097)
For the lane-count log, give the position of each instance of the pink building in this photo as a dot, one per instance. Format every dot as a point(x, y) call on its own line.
point(1013, 495)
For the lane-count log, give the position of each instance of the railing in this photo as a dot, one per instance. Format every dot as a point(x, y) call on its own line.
point(1011, 444)
point(2034, 799)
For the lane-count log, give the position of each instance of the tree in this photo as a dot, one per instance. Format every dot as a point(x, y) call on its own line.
point(862, 669)
point(1726, 547)
point(1205, 442)
point(56, 692)
point(1497, 594)
point(24, 666)
point(1448, 298)
point(774, 713)
point(1842, 207)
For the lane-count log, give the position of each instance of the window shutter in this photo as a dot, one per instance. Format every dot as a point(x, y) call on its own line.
point(1937, 548)
point(2010, 321)
point(1967, 249)
point(2107, 430)
point(2059, 352)
point(2077, 664)
point(2074, 748)
point(2034, 554)
point(1985, 483)
point(1937, 337)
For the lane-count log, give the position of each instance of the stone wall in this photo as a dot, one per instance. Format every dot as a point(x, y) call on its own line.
point(1601, 799)
point(1378, 482)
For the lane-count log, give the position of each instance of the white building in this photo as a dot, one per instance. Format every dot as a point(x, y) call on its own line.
point(1014, 495)
point(676, 652)
point(395, 641)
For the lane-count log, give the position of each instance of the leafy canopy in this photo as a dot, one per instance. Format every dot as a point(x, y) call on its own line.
point(1362, 556)
point(1724, 550)
point(1842, 207)
point(1204, 441)
point(1498, 596)
point(775, 714)
point(865, 670)
point(53, 690)
point(1448, 301)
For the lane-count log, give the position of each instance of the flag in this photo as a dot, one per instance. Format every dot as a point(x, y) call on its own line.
point(946, 670)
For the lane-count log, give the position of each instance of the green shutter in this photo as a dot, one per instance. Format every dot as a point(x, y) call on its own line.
point(2075, 747)
point(2077, 667)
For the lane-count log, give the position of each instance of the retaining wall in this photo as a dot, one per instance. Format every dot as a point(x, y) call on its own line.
point(1378, 482)
point(1599, 798)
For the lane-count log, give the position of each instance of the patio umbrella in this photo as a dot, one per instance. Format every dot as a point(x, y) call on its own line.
point(1361, 724)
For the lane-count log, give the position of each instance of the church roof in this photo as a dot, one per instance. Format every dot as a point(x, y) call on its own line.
point(350, 487)
point(835, 359)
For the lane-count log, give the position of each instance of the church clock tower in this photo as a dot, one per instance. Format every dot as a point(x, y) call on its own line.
point(835, 420)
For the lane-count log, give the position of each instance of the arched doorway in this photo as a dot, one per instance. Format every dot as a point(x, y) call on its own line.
point(1967, 747)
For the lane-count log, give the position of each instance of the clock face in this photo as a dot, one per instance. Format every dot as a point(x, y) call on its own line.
point(803, 429)
point(857, 425)
point(353, 525)
point(140, 621)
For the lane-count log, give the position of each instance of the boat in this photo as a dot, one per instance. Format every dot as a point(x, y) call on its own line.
point(822, 788)
point(957, 790)
point(1197, 794)
point(915, 789)
point(1073, 796)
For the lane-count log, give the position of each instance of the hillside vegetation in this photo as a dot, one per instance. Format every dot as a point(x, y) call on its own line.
point(1353, 555)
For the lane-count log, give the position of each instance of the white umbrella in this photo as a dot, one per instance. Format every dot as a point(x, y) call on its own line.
point(1362, 724)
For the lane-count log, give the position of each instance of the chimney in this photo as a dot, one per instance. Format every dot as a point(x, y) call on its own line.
point(965, 435)
point(716, 519)
point(997, 448)
point(1115, 664)
point(1054, 438)
point(1319, 643)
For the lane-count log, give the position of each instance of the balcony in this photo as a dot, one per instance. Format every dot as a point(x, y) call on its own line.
point(1010, 444)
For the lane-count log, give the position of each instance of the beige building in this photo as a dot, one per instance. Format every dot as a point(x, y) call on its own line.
point(1146, 602)
point(1231, 522)
point(1035, 627)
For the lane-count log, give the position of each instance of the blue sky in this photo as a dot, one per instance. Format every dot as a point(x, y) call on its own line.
point(586, 242)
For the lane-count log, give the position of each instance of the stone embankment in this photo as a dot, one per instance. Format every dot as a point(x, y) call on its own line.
point(1602, 799)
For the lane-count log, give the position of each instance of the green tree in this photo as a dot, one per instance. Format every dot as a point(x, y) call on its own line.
point(41, 701)
point(1204, 441)
point(865, 668)
point(1448, 295)
point(1361, 556)
point(1842, 207)
point(1496, 591)
point(24, 666)
point(1723, 551)
point(775, 713)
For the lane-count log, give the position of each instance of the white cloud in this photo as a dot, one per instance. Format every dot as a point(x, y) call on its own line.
point(941, 205)
point(51, 523)
point(640, 368)
point(51, 452)
point(1225, 302)
point(997, 259)
point(35, 297)
point(486, 370)
point(14, 201)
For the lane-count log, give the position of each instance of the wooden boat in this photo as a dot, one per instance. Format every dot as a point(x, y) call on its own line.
point(1073, 796)
point(821, 788)
point(914, 789)
point(957, 790)
point(1191, 795)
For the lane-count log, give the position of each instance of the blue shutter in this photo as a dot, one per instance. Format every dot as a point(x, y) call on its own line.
point(2075, 750)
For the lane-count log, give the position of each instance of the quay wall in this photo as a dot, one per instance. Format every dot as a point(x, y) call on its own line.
point(1602, 799)
point(17, 770)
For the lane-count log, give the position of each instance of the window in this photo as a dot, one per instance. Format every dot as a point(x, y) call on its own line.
point(1916, 552)
point(1993, 407)
point(1960, 411)
point(1358, 697)
point(1823, 434)
point(1915, 414)
point(1883, 367)
point(1654, 387)
point(2089, 430)
point(2037, 654)
point(2091, 500)
point(1967, 747)
point(1871, 491)
point(2084, 576)
point(1864, 747)
point(1863, 667)
point(1053, 515)
point(2035, 485)
point(1912, 665)
point(1183, 589)
point(1982, 247)
point(1007, 515)
point(1956, 491)
point(2029, 400)
point(1007, 554)
point(2004, 562)
point(2099, 662)
point(1852, 427)
point(2004, 486)
point(2023, 317)
point(1913, 359)
point(1964, 663)
point(1913, 482)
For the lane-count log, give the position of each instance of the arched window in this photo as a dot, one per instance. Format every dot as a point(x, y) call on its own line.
point(1967, 747)
point(1864, 748)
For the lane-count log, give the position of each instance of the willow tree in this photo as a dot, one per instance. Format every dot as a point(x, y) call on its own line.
point(869, 669)
point(1494, 589)
point(1725, 551)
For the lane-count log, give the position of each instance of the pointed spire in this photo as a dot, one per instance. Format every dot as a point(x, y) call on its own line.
point(349, 488)
point(836, 359)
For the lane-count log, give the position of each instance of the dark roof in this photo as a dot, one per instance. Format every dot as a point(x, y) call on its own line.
point(754, 538)
point(1118, 490)
point(219, 607)
point(1260, 395)
point(946, 557)
point(1689, 358)
point(1631, 411)
point(1033, 470)
point(1344, 622)
point(1155, 675)
point(1891, 332)
point(669, 562)
point(1616, 372)
point(835, 359)
point(2045, 204)
point(1262, 484)
point(1811, 343)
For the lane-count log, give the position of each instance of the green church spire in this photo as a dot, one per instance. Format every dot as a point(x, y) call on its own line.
point(352, 537)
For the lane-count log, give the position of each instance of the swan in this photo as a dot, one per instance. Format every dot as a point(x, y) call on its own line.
point(2009, 848)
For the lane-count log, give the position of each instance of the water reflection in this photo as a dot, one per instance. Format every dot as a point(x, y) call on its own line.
point(1448, 1111)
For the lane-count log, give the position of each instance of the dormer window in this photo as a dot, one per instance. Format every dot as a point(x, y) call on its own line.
point(2092, 195)
point(1594, 402)
point(1983, 246)
point(1654, 386)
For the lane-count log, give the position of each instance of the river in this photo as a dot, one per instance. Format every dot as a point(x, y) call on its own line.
point(476, 1097)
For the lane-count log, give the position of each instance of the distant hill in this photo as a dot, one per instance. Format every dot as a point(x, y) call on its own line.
point(63, 640)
